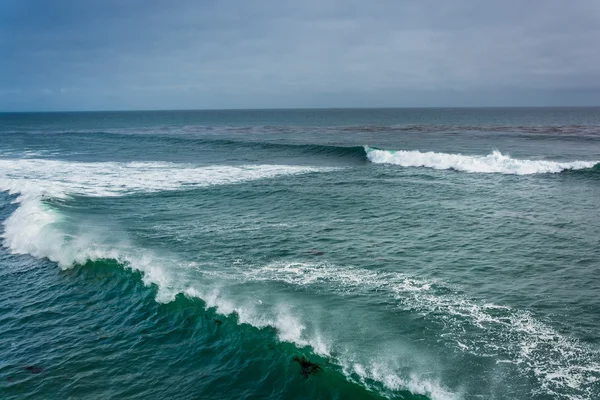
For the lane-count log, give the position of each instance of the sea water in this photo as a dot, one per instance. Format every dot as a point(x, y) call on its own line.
point(409, 253)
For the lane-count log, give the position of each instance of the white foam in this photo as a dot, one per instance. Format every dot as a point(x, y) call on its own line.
point(491, 163)
point(386, 375)
point(561, 364)
point(57, 178)
point(289, 327)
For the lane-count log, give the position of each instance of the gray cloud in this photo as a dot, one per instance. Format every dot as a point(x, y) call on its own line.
point(147, 54)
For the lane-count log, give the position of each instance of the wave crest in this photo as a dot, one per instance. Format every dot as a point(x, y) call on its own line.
point(57, 178)
point(492, 163)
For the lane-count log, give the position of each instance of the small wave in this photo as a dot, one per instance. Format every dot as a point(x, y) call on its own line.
point(311, 149)
point(492, 163)
point(331, 150)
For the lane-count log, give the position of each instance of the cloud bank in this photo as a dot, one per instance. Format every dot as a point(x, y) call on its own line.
point(75, 55)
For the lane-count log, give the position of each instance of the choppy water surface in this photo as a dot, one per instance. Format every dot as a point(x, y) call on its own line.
point(415, 254)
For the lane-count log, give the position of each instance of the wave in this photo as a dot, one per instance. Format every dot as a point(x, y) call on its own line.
point(492, 163)
point(35, 228)
point(101, 179)
point(561, 364)
point(357, 152)
point(496, 162)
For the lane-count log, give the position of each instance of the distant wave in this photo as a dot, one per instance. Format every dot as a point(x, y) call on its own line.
point(332, 150)
point(495, 162)
point(578, 130)
point(210, 141)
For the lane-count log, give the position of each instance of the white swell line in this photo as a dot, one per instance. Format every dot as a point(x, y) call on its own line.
point(561, 364)
point(491, 163)
point(59, 178)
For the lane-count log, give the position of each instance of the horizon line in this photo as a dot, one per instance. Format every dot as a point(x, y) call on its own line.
point(294, 109)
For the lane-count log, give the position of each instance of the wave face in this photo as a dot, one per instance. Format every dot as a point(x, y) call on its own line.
point(492, 163)
point(515, 336)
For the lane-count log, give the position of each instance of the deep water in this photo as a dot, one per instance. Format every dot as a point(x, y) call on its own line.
point(301, 254)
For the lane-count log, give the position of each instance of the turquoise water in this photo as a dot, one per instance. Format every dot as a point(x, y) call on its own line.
point(410, 253)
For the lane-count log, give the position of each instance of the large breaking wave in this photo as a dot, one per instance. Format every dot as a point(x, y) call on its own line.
point(59, 178)
point(36, 228)
point(495, 162)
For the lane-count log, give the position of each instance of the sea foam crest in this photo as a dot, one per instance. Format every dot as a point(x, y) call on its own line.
point(58, 178)
point(517, 335)
point(491, 163)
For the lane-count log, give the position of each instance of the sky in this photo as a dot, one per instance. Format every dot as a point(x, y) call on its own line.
point(204, 54)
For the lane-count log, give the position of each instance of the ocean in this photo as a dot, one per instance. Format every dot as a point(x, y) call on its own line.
point(301, 254)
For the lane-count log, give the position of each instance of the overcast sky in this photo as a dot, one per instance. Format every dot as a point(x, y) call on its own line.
point(184, 54)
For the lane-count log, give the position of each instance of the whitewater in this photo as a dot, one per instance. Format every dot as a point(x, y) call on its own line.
point(495, 162)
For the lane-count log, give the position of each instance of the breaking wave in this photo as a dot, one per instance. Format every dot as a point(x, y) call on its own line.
point(187, 174)
point(35, 228)
point(560, 363)
point(492, 163)
point(59, 178)
point(39, 229)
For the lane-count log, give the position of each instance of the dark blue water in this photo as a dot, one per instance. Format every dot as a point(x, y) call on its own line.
point(393, 253)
